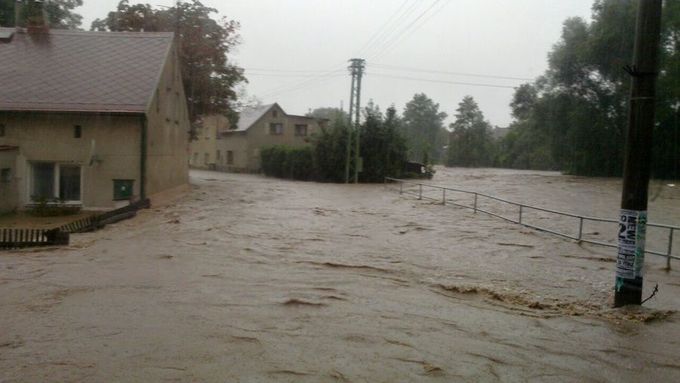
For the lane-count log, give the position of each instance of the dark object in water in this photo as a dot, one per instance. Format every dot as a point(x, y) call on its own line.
point(414, 169)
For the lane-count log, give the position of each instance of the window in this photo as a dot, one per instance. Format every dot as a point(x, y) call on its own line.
point(275, 113)
point(77, 131)
point(195, 161)
point(122, 189)
point(206, 158)
point(230, 157)
point(51, 180)
point(5, 175)
point(43, 181)
point(275, 129)
point(219, 156)
point(301, 130)
point(69, 183)
point(2, 130)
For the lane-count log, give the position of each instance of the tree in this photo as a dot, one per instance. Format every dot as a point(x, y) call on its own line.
point(470, 141)
point(422, 127)
point(573, 118)
point(329, 113)
point(526, 146)
point(383, 149)
point(60, 13)
point(330, 147)
point(210, 79)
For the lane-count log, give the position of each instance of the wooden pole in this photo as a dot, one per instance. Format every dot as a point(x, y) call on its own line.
point(633, 217)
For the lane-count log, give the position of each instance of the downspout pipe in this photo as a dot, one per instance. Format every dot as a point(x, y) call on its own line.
point(142, 157)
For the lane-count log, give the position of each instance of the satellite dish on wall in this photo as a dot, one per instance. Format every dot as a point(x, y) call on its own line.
point(93, 156)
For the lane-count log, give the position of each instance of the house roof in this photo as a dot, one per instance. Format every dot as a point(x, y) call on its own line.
point(248, 117)
point(76, 71)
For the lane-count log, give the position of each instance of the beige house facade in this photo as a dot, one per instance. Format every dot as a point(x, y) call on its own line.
point(93, 119)
point(238, 149)
point(203, 149)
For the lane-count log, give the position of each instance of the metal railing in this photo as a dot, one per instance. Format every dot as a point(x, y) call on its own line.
point(523, 208)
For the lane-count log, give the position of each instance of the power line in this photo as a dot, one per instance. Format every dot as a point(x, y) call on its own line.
point(303, 83)
point(442, 81)
point(276, 70)
point(417, 27)
point(396, 38)
point(281, 75)
point(411, 69)
point(381, 32)
point(300, 86)
point(390, 33)
point(309, 73)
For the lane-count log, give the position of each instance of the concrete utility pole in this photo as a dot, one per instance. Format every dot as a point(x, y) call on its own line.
point(357, 70)
point(348, 154)
point(633, 217)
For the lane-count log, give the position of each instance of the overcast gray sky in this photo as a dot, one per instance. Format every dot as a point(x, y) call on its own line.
point(407, 44)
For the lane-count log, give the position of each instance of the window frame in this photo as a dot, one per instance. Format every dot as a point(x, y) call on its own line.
point(5, 175)
point(273, 131)
point(56, 183)
point(306, 130)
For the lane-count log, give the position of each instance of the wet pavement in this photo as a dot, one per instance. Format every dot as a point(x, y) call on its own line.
point(252, 279)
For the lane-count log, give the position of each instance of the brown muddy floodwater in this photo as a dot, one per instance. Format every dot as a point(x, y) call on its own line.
point(251, 279)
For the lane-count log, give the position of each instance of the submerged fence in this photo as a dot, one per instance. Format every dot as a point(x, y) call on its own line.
point(14, 238)
point(96, 222)
point(517, 213)
point(21, 238)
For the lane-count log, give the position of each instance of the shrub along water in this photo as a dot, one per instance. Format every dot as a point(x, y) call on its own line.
point(285, 162)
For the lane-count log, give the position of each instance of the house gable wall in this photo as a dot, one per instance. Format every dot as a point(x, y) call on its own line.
point(259, 136)
point(167, 131)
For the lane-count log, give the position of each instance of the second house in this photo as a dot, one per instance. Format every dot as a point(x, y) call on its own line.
point(218, 146)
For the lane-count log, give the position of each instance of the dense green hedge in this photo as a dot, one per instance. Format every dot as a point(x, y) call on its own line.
point(285, 162)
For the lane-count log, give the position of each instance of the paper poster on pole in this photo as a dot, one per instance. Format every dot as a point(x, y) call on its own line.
point(631, 238)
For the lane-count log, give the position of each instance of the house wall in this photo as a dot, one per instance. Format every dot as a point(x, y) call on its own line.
point(203, 152)
point(113, 141)
point(237, 143)
point(9, 197)
point(167, 131)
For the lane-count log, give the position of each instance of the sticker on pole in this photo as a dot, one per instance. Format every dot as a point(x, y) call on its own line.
point(632, 232)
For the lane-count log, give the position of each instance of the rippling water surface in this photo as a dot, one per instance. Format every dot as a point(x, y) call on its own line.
point(256, 279)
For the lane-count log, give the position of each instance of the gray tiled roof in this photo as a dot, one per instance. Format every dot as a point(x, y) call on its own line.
point(249, 116)
point(81, 71)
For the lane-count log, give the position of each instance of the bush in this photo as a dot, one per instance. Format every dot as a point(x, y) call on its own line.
point(284, 162)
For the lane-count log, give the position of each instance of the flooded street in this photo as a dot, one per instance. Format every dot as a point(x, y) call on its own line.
point(253, 279)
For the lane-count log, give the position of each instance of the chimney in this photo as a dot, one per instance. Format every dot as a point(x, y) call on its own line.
point(35, 16)
point(18, 8)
